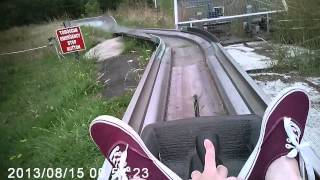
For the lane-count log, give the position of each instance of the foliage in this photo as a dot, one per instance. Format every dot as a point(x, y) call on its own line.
point(166, 6)
point(143, 15)
point(298, 27)
point(144, 49)
point(93, 36)
point(109, 5)
point(22, 12)
point(92, 8)
point(303, 61)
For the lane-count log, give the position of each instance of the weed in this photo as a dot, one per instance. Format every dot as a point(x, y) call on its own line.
point(141, 15)
point(143, 48)
point(307, 64)
point(299, 27)
point(93, 36)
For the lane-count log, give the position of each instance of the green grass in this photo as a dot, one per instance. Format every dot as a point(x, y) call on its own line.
point(298, 27)
point(148, 22)
point(46, 105)
point(305, 64)
point(143, 48)
point(166, 6)
point(93, 36)
point(142, 15)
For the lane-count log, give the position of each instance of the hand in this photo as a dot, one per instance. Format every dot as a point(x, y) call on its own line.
point(211, 172)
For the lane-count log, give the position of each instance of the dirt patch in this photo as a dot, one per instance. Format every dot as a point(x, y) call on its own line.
point(119, 74)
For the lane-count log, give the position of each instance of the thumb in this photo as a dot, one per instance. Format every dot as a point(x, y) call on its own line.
point(210, 162)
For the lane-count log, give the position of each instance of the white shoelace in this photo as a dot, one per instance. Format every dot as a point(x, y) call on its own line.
point(293, 132)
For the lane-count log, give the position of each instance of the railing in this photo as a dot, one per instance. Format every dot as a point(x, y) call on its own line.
point(189, 12)
point(255, 99)
point(138, 107)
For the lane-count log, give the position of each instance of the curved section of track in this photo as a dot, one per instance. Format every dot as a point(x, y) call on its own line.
point(189, 75)
point(196, 75)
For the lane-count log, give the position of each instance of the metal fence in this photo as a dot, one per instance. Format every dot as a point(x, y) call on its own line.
point(188, 12)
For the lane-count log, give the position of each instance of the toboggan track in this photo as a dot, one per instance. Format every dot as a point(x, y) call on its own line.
point(188, 64)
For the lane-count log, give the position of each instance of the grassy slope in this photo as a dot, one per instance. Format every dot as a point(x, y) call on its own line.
point(141, 15)
point(93, 36)
point(46, 104)
point(299, 27)
point(143, 48)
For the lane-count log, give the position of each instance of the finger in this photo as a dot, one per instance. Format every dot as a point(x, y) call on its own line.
point(223, 171)
point(195, 175)
point(209, 160)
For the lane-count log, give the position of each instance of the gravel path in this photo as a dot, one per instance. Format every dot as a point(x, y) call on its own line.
point(257, 55)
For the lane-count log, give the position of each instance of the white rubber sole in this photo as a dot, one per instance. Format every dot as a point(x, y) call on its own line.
point(110, 120)
point(248, 166)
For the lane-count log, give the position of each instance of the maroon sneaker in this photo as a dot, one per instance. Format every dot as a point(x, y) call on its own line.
point(124, 149)
point(281, 132)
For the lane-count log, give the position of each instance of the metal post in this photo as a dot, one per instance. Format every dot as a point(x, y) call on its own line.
point(53, 42)
point(249, 18)
point(176, 20)
point(157, 9)
point(268, 30)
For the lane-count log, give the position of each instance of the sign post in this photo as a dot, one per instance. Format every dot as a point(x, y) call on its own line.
point(70, 40)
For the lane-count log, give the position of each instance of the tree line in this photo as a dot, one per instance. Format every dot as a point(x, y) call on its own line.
point(24, 12)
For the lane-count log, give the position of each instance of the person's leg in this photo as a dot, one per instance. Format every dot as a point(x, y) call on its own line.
point(283, 168)
point(279, 145)
point(275, 155)
point(126, 152)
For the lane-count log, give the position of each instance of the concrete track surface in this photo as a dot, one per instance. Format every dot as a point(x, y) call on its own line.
point(190, 77)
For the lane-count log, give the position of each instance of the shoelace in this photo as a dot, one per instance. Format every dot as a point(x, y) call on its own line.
point(293, 132)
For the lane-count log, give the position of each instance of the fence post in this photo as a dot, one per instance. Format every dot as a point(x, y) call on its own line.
point(176, 20)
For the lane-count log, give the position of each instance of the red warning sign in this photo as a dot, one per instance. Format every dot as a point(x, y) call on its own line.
point(70, 39)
